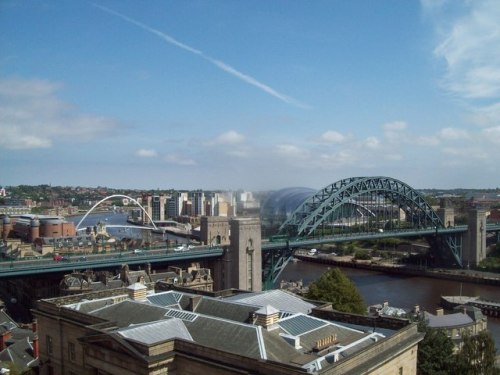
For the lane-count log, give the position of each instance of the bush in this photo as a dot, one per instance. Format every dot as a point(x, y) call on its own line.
point(362, 255)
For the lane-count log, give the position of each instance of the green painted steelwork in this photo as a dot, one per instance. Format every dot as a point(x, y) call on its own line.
point(329, 205)
point(42, 266)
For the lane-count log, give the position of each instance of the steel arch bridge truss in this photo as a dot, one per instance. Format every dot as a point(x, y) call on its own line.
point(382, 202)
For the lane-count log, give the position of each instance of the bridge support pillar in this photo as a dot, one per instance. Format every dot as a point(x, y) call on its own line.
point(474, 250)
point(242, 262)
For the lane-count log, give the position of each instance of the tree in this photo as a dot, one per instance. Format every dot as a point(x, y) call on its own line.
point(335, 287)
point(435, 352)
point(477, 355)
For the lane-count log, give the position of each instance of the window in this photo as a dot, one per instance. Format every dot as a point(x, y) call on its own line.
point(48, 344)
point(71, 351)
point(400, 371)
point(249, 271)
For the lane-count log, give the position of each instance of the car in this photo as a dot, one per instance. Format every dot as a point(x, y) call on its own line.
point(181, 248)
point(60, 258)
point(138, 252)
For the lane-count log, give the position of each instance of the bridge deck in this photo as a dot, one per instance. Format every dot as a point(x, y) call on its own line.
point(41, 266)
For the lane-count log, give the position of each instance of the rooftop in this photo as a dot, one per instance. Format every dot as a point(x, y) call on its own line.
point(230, 325)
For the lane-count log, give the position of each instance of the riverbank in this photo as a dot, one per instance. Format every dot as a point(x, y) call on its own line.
point(470, 276)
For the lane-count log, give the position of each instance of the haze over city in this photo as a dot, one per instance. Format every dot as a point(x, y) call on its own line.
point(253, 95)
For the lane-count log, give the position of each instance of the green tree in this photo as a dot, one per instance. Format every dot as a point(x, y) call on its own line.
point(435, 352)
point(335, 287)
point(362, 254)
point(477, 355)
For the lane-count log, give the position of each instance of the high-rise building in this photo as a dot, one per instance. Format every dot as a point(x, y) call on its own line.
point(155, 206)
point(198, 203)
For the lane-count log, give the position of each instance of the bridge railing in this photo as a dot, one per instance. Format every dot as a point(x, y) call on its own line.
point(47, 265)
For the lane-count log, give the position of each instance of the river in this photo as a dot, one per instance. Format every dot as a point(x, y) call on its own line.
point(400, 291)
point(375, 287)
point(117, 218)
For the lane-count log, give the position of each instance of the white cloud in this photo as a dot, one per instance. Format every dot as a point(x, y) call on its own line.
point(146, 153)
point(229, 138)
point(239, 153)
point(469, 34)
point(31, 116)
point(486, 115)
point(394, 126)
point(393, 156)
point(492, 134)
point(338, 159)
point(332, 136)
point(12, 138)
point(465, 153)
point(291, 151)
point(394, 131)
point(372, 143)
point(453, 134)
point(426, 141)
point(177, 159)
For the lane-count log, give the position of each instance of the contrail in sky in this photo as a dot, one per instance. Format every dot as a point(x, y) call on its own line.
point(219, 64)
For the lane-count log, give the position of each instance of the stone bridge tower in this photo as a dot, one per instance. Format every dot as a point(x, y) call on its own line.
point(241, 264)
point(244, 268)
point(474, 245)
point(214, 230)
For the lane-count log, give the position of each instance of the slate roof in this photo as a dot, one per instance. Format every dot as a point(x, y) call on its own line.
point(448, 320)
point(228, 336)
point(310, 329)
point(225, 309)
point(300, 324)
point(88, 306)
point(166, 299)
point(473, 312)
point(152, 333)
point(226, 325)
point(130, 312)
point(20, 353)
point(279, 299)
point(5, 318)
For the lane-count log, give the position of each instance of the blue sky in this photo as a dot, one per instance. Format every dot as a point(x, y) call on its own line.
point(249, 94)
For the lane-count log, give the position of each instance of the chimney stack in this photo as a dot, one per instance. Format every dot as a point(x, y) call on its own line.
point(137, 292)
point(36, 347)
point(4, 337)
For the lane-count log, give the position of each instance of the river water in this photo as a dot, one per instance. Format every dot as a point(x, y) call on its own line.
point(375, 287)
point(400, 291)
